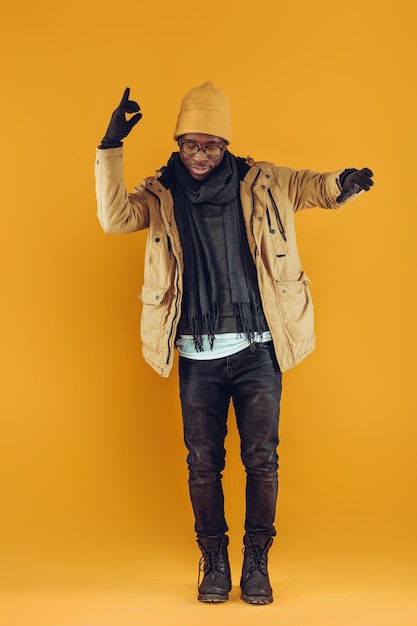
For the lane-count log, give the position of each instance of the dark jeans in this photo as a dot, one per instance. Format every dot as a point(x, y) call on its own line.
point(252, 379)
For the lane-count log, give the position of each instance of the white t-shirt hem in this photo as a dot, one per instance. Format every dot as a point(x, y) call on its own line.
point(225, 344)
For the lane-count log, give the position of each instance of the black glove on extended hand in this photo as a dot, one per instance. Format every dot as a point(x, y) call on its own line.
point(353, 181)
point(119, 126)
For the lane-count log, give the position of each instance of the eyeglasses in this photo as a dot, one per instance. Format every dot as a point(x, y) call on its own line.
point(191, 148)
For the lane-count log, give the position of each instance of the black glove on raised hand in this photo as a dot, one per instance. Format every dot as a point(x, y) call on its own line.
point(352, 181)
point(119, 126)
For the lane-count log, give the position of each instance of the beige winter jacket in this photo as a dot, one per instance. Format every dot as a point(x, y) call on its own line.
point(270, 196)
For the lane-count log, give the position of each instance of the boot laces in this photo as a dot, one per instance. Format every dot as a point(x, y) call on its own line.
point(257, 558)
point(211, 560)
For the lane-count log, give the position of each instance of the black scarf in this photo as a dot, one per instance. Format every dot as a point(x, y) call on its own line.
point(201, 291)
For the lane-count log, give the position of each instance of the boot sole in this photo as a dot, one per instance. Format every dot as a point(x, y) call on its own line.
point(257, 599)
point(212, 598)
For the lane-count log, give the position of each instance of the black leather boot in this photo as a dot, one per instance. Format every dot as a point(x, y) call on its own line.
point(216, 582)
point(256, 588)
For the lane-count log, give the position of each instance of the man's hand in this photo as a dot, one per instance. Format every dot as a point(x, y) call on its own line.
point(354, 181)
point(119, 126)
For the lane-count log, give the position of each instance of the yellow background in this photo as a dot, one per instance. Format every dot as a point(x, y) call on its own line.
point(93, 494)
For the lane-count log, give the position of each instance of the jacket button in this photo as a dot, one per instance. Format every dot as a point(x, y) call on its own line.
point(263, 187)
point(156, 297)
point(157, 239)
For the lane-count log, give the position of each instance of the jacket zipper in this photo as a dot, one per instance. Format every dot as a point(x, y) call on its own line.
point(253, 209)
point(277, 215)
point(172, 325)
point(176, 300)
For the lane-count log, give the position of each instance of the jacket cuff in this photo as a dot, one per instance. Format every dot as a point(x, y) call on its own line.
point(105, 145)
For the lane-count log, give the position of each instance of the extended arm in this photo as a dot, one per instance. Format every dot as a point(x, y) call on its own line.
point(329, 190)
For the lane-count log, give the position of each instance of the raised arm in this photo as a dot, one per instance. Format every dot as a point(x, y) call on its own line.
point(118, 211)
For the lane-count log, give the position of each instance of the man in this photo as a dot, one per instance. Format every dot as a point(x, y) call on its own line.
point(224, 285)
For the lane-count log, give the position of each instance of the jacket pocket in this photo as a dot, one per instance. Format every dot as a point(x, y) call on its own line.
point(155, 300)
point(296, 306)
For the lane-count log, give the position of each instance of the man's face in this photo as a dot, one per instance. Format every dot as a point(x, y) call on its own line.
point(200, 165)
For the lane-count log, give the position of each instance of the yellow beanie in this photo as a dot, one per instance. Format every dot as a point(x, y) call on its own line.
point(205, 109)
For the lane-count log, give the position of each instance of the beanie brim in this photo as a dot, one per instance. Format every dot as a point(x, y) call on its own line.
point(203, 121)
